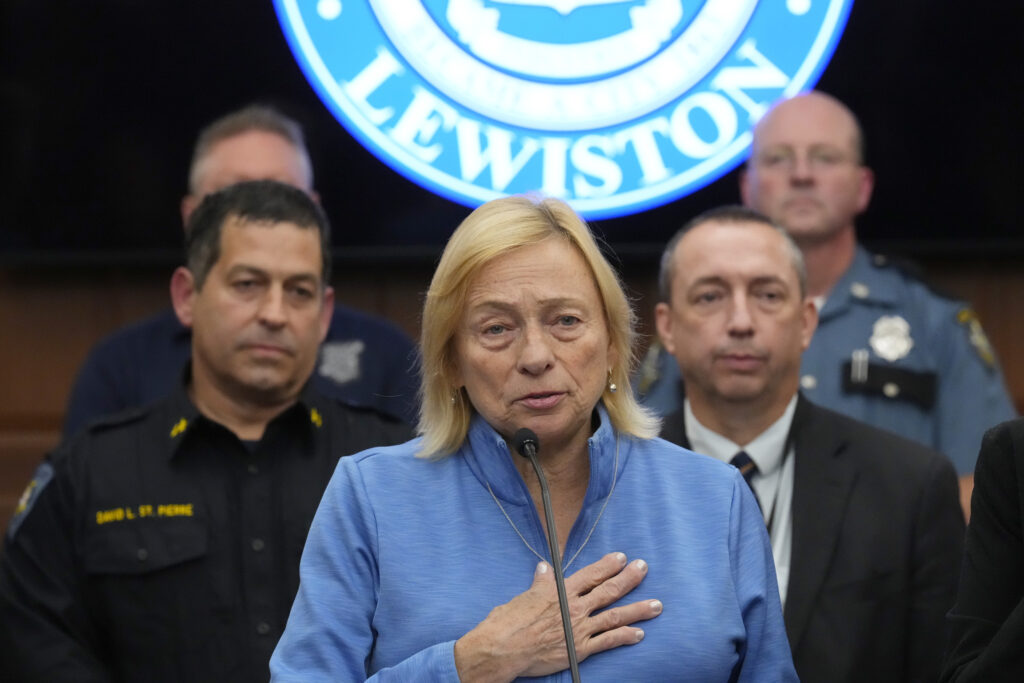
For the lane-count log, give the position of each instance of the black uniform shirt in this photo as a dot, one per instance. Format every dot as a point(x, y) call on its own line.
point(163, 548)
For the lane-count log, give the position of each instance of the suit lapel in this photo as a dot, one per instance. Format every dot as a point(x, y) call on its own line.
point(822, 481)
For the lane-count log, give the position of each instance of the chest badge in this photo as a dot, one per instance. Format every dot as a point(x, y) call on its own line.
point(890, 338)
point(339, 361)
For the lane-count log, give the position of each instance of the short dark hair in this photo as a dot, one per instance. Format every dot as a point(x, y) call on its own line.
point(732, 213)
point(258, 201)
point(253, 117)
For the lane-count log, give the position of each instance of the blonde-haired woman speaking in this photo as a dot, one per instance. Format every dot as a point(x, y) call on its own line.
point(429, 561)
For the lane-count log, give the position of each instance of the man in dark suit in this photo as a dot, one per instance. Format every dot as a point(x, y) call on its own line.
point(888, 350)
point(987, 622)
point(866, 526)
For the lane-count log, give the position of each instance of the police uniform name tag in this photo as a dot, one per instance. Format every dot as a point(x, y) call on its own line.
point(890, 338)
point(614, 105)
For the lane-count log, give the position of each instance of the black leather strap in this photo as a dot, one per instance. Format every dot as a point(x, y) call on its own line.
point(893, 383)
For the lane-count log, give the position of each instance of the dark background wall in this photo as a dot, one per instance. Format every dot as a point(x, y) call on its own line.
point(102, 100)
point(51, 319)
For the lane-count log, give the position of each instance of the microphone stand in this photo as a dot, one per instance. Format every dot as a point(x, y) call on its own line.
point(526, 444)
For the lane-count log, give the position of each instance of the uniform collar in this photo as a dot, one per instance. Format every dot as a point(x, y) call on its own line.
point(490, 459)
point(859, 285)
point(180, 419)
point(183, 420)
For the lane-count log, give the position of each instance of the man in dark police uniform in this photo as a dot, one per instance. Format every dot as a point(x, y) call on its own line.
point(365, 359)
point(164, 543)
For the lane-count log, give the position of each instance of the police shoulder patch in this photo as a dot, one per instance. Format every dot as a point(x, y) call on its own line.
point(42, 476)
point(969, 319)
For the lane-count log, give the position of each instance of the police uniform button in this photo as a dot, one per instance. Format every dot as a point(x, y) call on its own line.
point(253, 469)
point(880, 260)
point(891, 389)
point(808, 382)
point(859, 290)
point(257, 544)
point(263, 628)
point(142, 554)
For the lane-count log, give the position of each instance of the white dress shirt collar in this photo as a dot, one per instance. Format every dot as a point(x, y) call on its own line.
point(765, 450)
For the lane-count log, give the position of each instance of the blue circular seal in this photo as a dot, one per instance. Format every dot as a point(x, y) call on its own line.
point(613, 105)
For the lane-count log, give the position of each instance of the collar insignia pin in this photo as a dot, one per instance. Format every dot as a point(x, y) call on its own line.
point(179, 427)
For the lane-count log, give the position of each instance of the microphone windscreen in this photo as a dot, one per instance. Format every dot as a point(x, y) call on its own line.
point(522, 439)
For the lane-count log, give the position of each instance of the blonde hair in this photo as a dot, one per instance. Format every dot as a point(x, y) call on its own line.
point(492, 230)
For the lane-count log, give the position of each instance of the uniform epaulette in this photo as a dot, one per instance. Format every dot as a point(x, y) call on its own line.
point(905, 266)
point(363, 408)
point(911, 270)
point(118, 419)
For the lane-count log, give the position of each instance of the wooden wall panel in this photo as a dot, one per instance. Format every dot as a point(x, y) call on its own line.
point(996, 292)
point(52, 317)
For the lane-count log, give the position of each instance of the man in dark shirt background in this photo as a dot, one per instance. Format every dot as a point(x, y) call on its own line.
point(163, 543)
point(364, 360)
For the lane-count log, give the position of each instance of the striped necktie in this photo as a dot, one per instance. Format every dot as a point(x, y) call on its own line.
point(748, 468)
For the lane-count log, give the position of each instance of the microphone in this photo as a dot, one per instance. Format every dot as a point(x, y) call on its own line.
point(526, 444)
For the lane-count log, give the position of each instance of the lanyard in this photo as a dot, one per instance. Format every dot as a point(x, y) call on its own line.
point(787, 446)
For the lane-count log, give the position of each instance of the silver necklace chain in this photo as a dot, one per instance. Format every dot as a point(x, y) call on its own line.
point(615, 477)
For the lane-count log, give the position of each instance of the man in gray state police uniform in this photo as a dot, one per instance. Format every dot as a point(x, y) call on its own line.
point(887, 351)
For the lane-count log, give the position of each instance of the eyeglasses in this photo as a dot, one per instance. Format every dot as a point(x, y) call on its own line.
point(817, 159)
